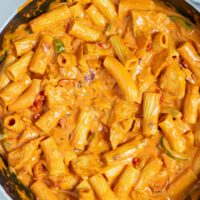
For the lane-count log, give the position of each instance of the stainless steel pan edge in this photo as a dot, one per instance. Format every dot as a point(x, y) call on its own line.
point(33, 10)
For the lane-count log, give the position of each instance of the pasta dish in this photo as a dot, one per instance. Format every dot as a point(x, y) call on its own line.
point(99, 100)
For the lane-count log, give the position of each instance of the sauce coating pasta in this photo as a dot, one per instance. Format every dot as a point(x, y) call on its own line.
point(100, 100)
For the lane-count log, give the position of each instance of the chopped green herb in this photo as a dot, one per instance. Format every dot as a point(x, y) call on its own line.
point(59, 46)
point(182, 22)
point(2, 57)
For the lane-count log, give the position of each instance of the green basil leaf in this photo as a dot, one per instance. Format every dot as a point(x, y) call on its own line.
point(59, 46)
point(182, 22)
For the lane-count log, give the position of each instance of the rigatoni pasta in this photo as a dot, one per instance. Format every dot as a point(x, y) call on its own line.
point(100, 100)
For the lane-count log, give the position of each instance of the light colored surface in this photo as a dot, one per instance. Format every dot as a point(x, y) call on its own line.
point(7, 11)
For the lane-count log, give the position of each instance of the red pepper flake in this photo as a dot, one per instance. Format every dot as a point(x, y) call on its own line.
point(68, 25)
point(62, 123)
point(149, 47)
point(183, 63)
point(66, 82)
point(39, 102)
point(102, 45)
point(135, 161)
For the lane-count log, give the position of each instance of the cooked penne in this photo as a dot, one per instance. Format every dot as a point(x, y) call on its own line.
point(50, 118)
point(26, 99)
point(126, 181)
point(159, 63)
point(99, 99)
point(148, 173)
point(101, 188)
point(191, 104)
point(112, 172)
point(151, 110)
point(13, 90)
point(42, 191)
point(77, 10)
point(42, 55)
point(47, 20)
point(54, 158)
point(173, 80)
point(79, 137)
point(20, 67)
point(160, 41)
point(86, 165)
point(128, 150)
point(190, 55)
point(84, 32)
point(182, 184)
point(67, 60)
point(26, 44)
point(85, 191)
point(173, 135)
point(196, 164)
point(21, 157)
point(172, 51)
point(4, 80)
point(122, 77)
point(96, 17)
point(124, 54)
point(106, 8)
point(14, 123)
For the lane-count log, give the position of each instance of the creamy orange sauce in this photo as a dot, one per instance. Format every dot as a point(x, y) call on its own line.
point(82, 99)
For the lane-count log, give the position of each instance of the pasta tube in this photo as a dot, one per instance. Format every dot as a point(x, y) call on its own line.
point(107, 8)
point(128, 150)
point(173, 135)
point(173, 80)
point(14, 123)
point(126, 182)
point(49, 19)
point(4, 80)
point(151, 109)
point(85, 191)
point(180, 187)
point(148, 173)
point(21, 157)
point(84, 32)
point(42, 55)
point(122, 77)
point(196, 163)
point(101, 188)
point(191, 104)
point(26, 44)
point(67, 60)
point(50, 118)
point(26, 99)
point(13, 90)
point(111, 172)
point(79, 137)
point(160, 41)
point(122, 51)
point(19, 68)
point(190, 55)
point(77, 10)
point(42, 191)
point(54, 158)
point(96, 17)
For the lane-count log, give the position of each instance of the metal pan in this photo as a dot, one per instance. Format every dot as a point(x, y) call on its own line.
point(8, 180)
